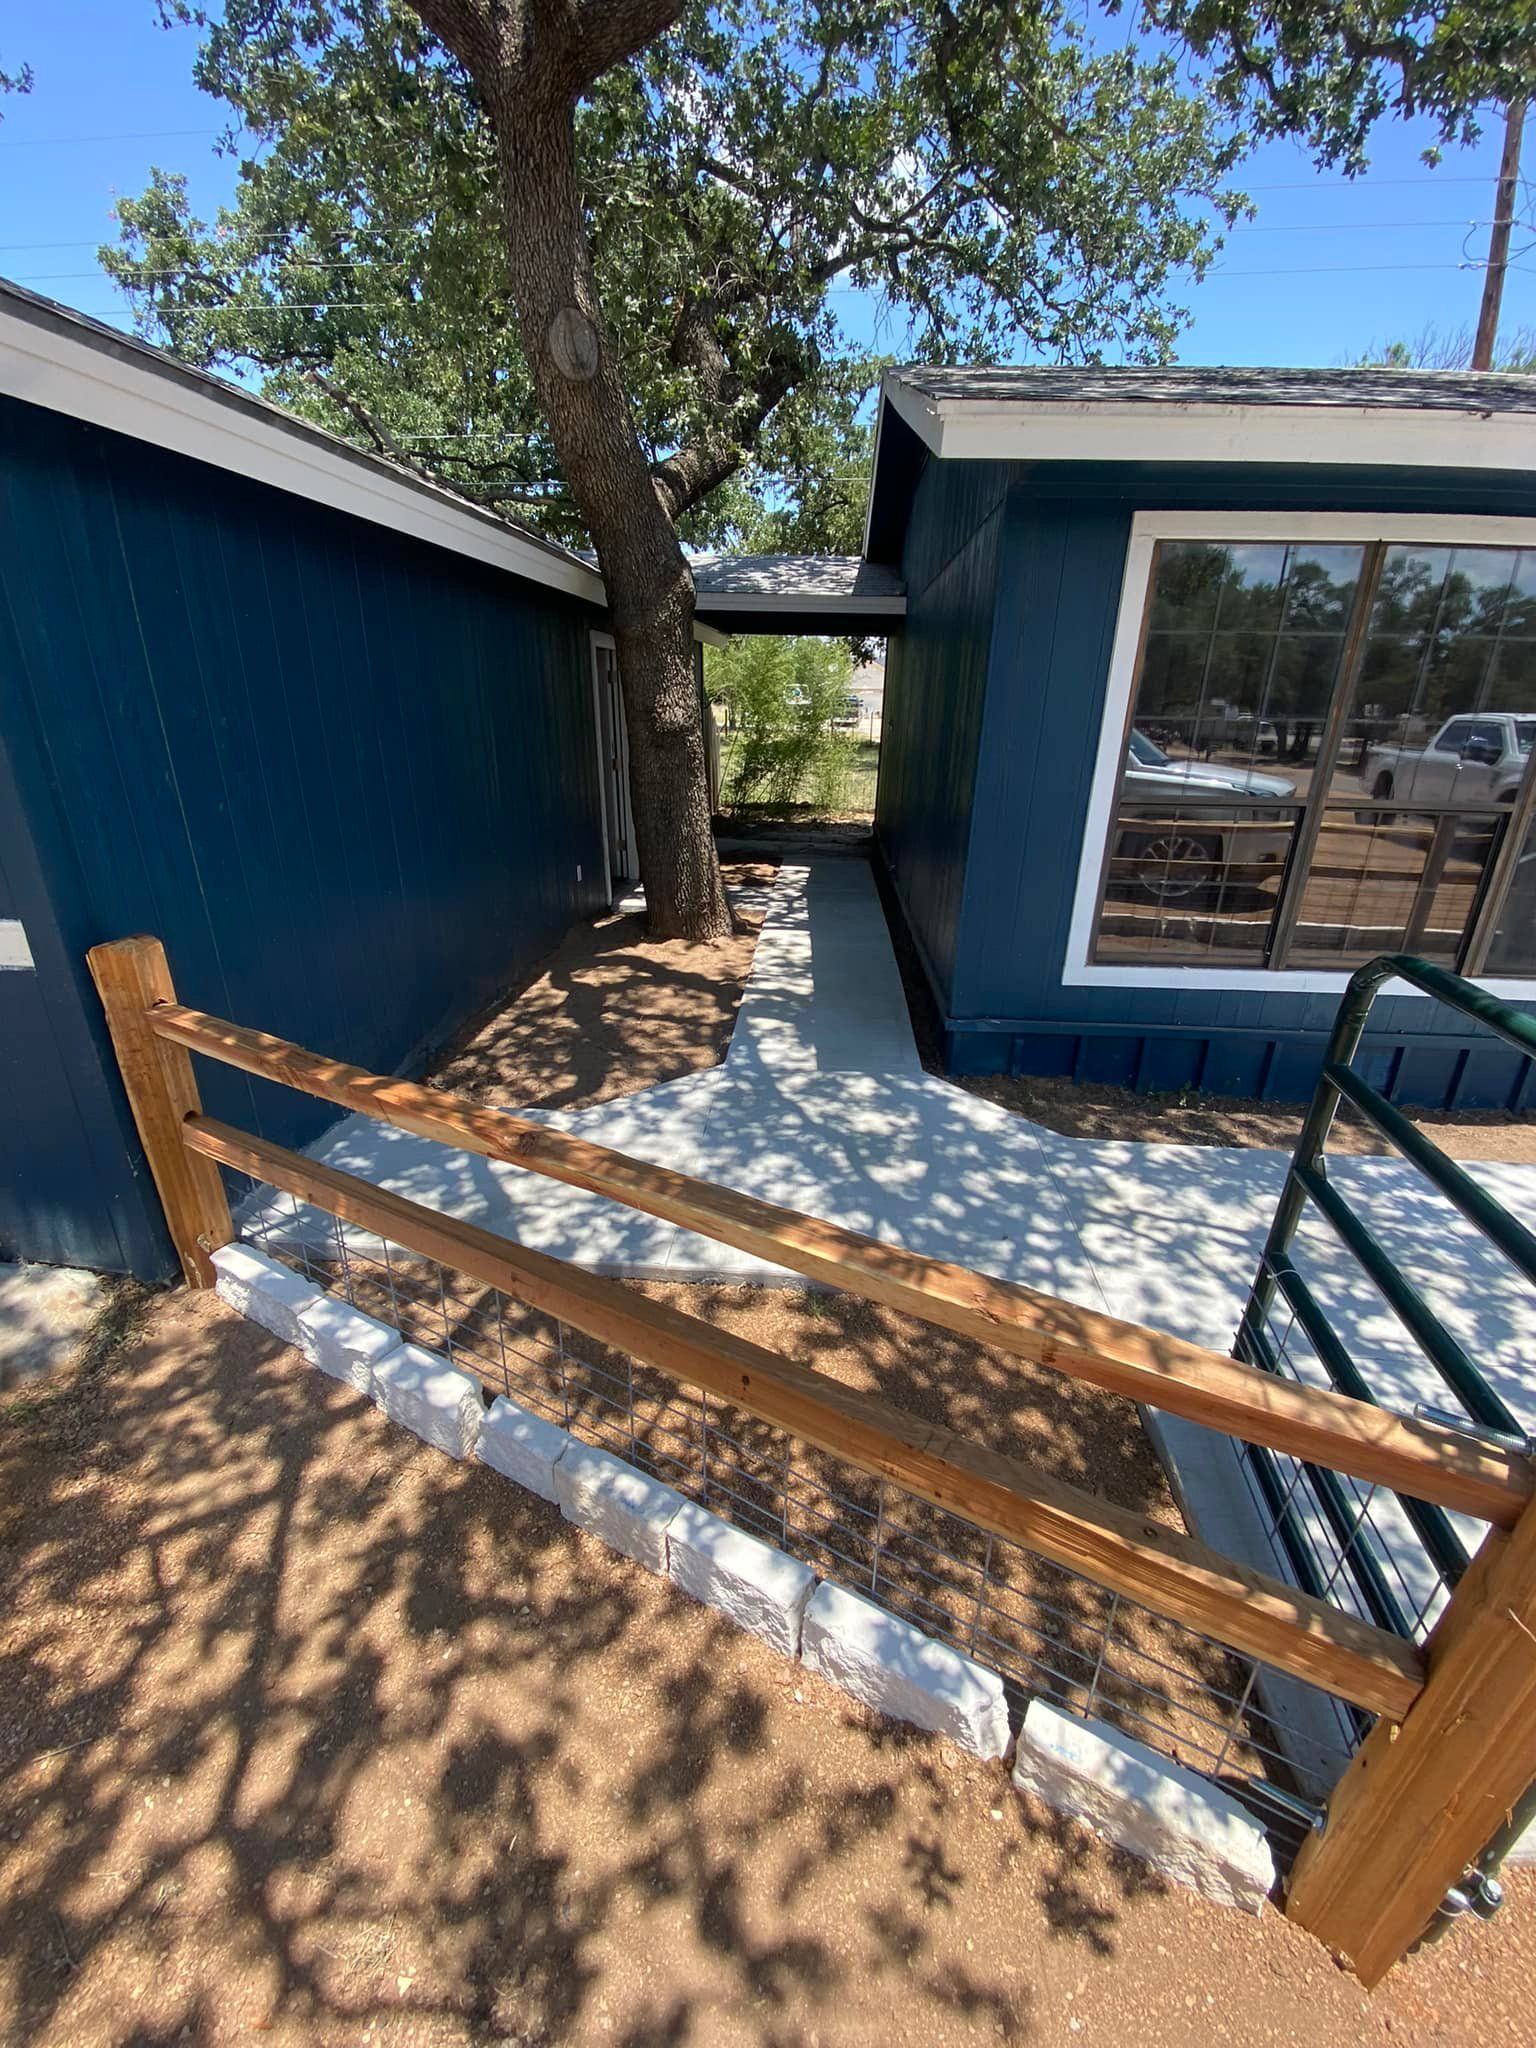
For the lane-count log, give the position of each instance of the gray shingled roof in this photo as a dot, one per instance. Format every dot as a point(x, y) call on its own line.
point(794, 579)
point(1416, 390)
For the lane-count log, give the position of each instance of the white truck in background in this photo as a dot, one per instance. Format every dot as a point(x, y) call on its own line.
point(1475, 758)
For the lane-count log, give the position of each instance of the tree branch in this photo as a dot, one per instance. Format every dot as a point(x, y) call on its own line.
point(468, 28)
point(688, 476)
point(609, 32)
point(371, 424)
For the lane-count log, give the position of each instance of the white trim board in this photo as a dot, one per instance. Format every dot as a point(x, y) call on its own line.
point(799, 601)
point(1147, 529)
point(67, 365)
point(974, 429)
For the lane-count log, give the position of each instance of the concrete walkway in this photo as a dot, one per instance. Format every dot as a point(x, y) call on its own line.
point(822, 1106)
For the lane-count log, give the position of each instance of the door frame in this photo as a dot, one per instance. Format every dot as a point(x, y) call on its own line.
point(613, 775)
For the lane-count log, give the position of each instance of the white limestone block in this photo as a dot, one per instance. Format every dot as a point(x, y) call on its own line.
point(895, 1668)
point(612, 1500)
point(262, 1290)
point(432, 1398)
point(758, 1587)
point(1180, 1824)
point(342, 1341)
point(522, 1447)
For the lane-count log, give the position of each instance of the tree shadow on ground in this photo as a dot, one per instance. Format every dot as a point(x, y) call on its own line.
point(312, 1734)
point(611, 1012)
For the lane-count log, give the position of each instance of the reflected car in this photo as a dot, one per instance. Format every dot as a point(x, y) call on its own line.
point(1471, 760)
point(1181, 858)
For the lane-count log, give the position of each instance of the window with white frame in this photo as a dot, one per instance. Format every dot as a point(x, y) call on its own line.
point(1328, 754)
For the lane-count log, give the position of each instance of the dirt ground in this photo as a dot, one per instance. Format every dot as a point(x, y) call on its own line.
point(1083, 1110)
point(611, 1012)
point(311, 1736)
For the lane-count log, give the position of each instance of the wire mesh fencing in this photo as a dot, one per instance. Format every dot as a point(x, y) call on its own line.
point(1046, 1631)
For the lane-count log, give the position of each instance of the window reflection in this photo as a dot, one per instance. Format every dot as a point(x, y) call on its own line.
point(1235, 698)
point(1513, 947)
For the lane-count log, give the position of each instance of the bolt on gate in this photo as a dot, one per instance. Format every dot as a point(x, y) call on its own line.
point(1454, 1743)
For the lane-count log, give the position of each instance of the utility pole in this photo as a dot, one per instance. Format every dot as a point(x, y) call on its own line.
point(1498, 239)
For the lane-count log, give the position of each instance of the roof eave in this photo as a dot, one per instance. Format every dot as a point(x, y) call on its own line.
point(62, 361)
point(963, 428)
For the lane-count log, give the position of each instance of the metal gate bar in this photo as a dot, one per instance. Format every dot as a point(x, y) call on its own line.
point(1279, 1284)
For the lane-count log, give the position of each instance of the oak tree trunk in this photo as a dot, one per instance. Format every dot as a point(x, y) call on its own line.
point(528, 66)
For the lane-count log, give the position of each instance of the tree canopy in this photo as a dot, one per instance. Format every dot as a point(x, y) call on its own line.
point(585, 257)
point(1012, 181)
point(1007, 184)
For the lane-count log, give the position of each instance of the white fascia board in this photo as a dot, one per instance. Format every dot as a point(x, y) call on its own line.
point(805, 601)
point(888, 392)
point(924, 415)
point(970, 430)
point(70, 374)
point(710, 636)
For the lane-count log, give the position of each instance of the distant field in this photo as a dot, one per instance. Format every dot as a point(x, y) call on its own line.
point(861, 782)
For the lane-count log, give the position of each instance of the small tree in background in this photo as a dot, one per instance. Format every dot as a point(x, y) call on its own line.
point(1449, 349)
point(780, 698)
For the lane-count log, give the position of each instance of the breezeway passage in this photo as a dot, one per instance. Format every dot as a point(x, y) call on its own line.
point(822, 1106)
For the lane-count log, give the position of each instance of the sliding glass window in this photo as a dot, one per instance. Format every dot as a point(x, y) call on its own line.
point(1329, 756)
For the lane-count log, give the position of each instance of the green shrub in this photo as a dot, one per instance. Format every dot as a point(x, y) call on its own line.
point(778, 698)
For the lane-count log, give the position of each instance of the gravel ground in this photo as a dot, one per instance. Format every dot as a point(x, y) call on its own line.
point(1084, 1110)
point(309, 1735)
point(312, 1736)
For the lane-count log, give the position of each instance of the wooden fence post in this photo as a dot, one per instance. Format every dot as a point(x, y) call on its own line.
point(1423, 1796)
point(130, 975)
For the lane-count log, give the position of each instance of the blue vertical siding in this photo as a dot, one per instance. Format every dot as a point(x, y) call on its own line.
point(64, 1127)
point(348, 778)
point(1044, 617)
point(935, 694)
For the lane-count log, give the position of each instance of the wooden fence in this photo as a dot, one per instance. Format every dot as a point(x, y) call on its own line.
point(1454, 1746)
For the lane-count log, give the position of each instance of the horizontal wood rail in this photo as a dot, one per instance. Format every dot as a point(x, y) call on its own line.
point(1353, 1437)
point(1163, 1570)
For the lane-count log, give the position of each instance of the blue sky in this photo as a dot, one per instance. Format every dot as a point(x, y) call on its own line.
point(1328, 267)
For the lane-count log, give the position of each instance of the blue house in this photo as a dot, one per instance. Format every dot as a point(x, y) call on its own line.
point(329, 732)
point(350, 745)
point(1212, 685)
point(1203, 686)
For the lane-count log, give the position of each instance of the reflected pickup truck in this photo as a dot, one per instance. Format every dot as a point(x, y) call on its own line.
point(1471, 760)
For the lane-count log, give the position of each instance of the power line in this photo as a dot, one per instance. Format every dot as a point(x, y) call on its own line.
point(1321, 227)
point(1374, 184)
point(1331, 269)
point(79, 141)
point(180, 270)
point(1424, 180)
point(1344, 227)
